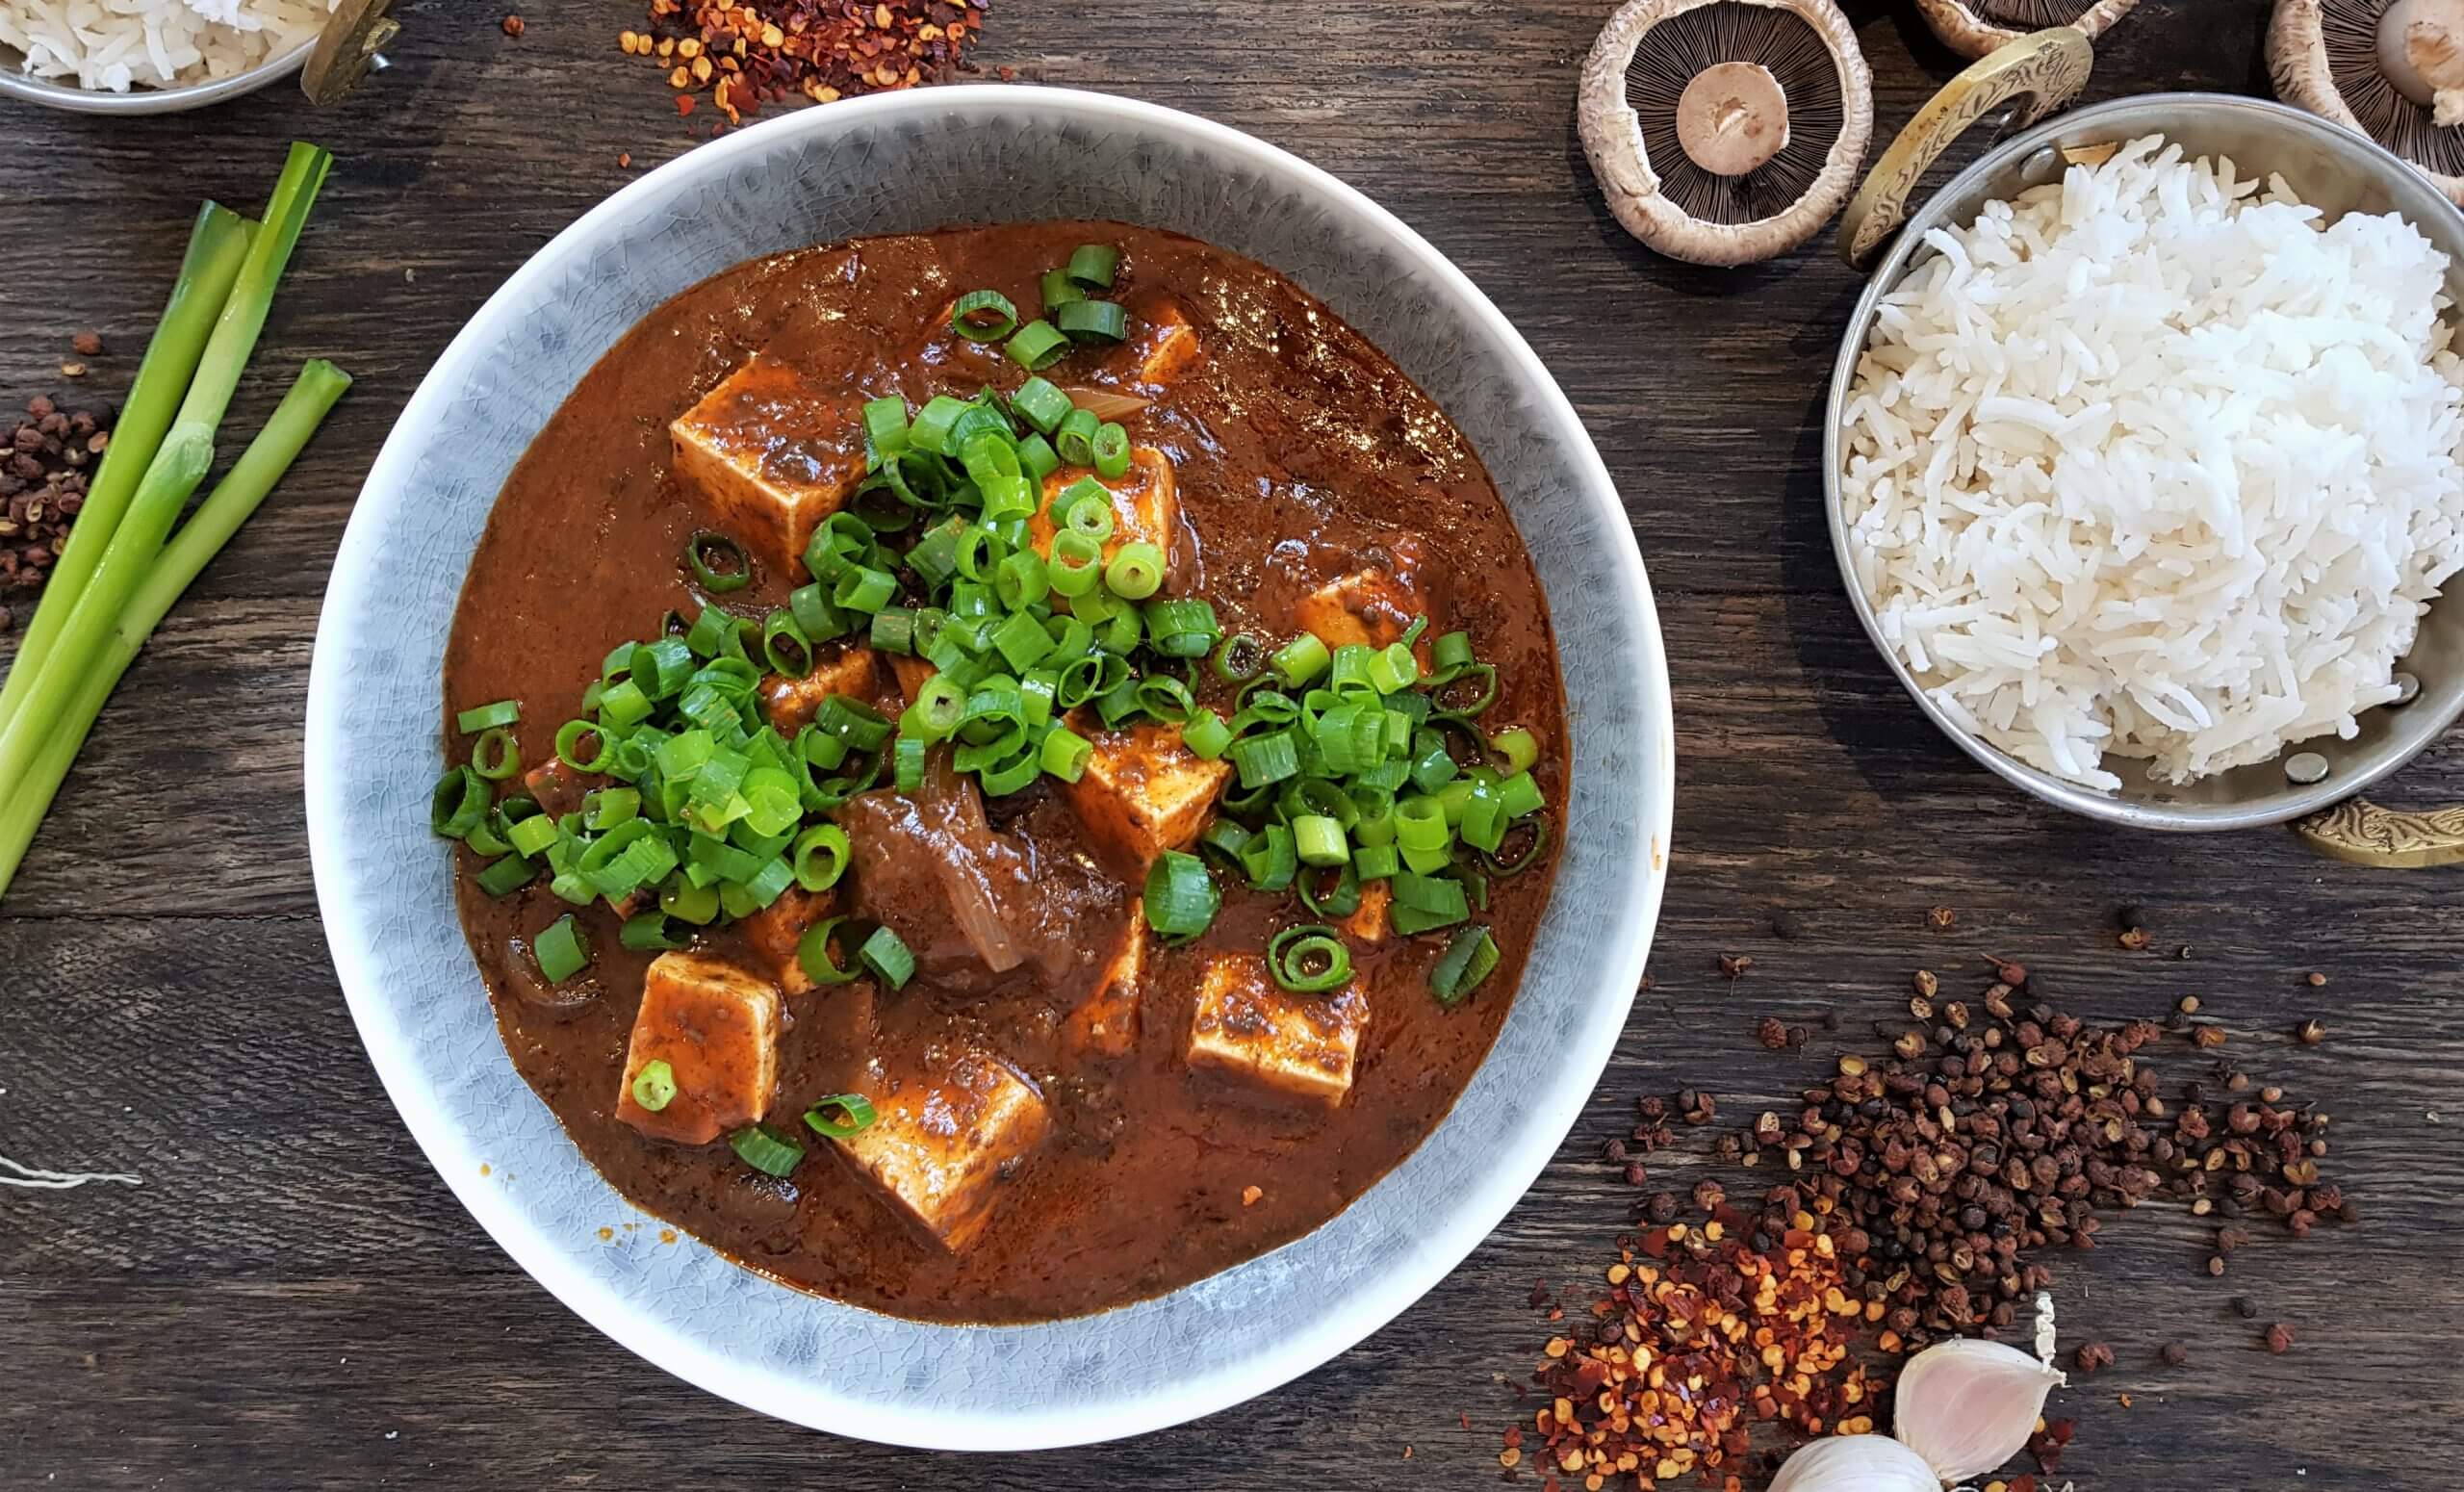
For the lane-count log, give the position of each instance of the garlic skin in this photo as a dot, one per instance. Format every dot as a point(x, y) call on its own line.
point(1966, 1405)
point(1856, 1463)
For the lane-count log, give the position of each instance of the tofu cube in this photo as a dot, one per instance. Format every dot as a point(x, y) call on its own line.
point(911, 672)
point(1371, 608)
point(1161, 346)
point(1143, 792)
point(791, 702)
point(1369, 921)
point(717, 1029)
point(775, 932)
point(1294, 1045)
point(1106, 1023)
point(1147, 506)
point(771, 452)
point(946, 1139)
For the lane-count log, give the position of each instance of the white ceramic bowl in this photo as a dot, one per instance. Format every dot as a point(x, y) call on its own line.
point(896, 163)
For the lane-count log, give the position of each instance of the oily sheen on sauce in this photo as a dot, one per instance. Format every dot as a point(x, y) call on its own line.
point(1299, 450)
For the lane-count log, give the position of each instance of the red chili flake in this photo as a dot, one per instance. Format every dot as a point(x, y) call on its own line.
point(683, 103)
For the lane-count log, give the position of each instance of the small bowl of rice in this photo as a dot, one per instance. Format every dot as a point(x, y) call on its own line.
point(151, 56)
point(2145, 461)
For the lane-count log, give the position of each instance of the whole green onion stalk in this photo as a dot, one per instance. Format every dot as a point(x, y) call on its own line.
point(235, 497)
point(218, 245)
point(58, 688)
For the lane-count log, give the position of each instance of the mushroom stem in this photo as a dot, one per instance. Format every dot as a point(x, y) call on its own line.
point(2421, 48)
point(1733, 117)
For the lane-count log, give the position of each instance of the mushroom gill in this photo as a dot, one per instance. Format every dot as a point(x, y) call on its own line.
point(1726, 131)
point(1974, 28)
point(2390, 69)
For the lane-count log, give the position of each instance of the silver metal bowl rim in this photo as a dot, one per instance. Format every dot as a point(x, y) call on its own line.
point(2109, 807)
point(15, 84)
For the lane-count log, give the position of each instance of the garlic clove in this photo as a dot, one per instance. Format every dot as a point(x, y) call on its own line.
point(1967, 1405)
point(1856, 1463)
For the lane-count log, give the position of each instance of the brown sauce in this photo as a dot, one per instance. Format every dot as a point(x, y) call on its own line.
point(1299, 452)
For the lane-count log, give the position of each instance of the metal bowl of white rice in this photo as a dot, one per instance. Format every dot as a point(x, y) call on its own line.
point(151, 56)
point(2192, 596)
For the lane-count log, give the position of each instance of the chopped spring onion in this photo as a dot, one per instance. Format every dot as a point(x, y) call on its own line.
point(1060, 290)
point(1180, 898)
point(767, 1151)
point(561, 949)
point(1468, 960)
point(1422, 902)
point(1270, 858)
point(1041, 403)
point(1207, 735)
point(1111, 447)
point(506, 876)
point(841, 1116)
point(655, 1086)
point(495, 755)
point(1074, 438)
point(1135, 571)
point(1518, 748)
point(458, 804)
point(1308, 959)
point(983, 316)
point(1262, 759)
point(487, 718)
point(1038, 346)
point(1064, 754)
point(1303, 658)
point(888, 957)
point(820, 856)
point(785, 647)
point(1093, 320)
point(1093, 265)
point(569, 739)
point(707, 552)
point(1502, 865)
point(812, 954)
point(1319, 841)
point(1240, 658)
point(646, 931)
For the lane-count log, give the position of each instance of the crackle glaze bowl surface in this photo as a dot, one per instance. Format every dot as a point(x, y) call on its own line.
point(891, 163)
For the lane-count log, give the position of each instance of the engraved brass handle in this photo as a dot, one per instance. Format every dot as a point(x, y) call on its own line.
point(2361, 832)
point(2043, 72)
point(347, 49)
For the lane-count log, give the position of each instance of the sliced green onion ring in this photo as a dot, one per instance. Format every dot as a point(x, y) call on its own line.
point(699, 553)
point(841, 1116)
point(1180, 897)
point(1093, 265)
point(767, 1151)
point(1468, 960)
point(1308, 959)
point(970, 317)
point(1093, 320)
point(458, 804)
point(483, 717)
point(812, 954)
point(655, 1086)
point(561, 949)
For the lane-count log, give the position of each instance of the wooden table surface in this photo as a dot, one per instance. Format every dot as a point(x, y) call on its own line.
point(292, 1299)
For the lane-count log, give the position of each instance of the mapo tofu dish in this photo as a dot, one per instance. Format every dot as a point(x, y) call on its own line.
point(1000, 772)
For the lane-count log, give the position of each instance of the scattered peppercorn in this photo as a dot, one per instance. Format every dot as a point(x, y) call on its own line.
point(2246, 1307)
point(513, 26)
point(2318, 980)
point(2093, 1356)
point(2208, 1036)
point(2310, 1032)
point(2174, 1355)
point(89, 344)
point(1941, 919)
point(1734, 965)
point(1772, 1032)
point(44, 465)
point(2279, 1338)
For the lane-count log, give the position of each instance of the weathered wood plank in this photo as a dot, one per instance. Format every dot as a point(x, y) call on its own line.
point(292, 1285)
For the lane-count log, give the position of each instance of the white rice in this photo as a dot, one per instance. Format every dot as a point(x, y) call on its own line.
point(119, 44)
point(2150, 464)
